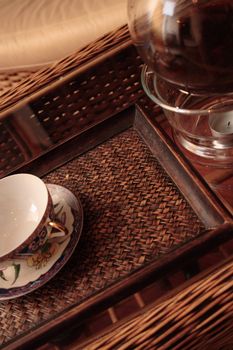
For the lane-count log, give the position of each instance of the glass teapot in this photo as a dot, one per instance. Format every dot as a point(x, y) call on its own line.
point(188, 43)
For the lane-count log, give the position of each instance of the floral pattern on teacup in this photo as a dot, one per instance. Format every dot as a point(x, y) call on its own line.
point(42, 250)
point(38, 261)
point(10, 273)
point(41, 258)
point(31, 278)
point(39, 240)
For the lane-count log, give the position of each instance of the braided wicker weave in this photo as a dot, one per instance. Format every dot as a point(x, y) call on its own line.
point(85, 100)
point(197, 318)
point(133, 214)
point(19, 85)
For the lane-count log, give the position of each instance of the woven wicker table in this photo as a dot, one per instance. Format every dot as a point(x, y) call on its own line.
point(151, 220)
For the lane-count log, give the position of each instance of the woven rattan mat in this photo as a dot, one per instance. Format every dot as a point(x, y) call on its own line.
point(133, 213)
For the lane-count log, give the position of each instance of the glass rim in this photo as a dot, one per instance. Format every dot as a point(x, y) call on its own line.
point(148, 76)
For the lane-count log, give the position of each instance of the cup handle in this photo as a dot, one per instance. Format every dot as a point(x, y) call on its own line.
point(62, 230)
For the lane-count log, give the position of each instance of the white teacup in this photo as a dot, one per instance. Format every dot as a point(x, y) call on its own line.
point(26, 216)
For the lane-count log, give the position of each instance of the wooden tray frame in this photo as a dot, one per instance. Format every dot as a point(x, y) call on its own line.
point(219, 221)
point(211, 211)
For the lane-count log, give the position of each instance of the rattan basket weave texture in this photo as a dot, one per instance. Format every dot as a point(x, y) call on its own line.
point(133, 214)
point(199, 317)
point(86, 100)
point(18, 85)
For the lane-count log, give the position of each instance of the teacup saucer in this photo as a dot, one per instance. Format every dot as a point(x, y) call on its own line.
point(24, 276)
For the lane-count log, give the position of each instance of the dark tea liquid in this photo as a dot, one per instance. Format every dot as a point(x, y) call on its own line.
point(194, 48)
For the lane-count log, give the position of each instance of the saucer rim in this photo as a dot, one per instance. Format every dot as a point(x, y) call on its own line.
point(16, 292)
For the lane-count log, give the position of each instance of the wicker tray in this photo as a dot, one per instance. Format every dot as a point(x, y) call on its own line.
point(197, 317)
point(136, 215)
point(146, 208)
point(68, 110)
point(17, 88)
